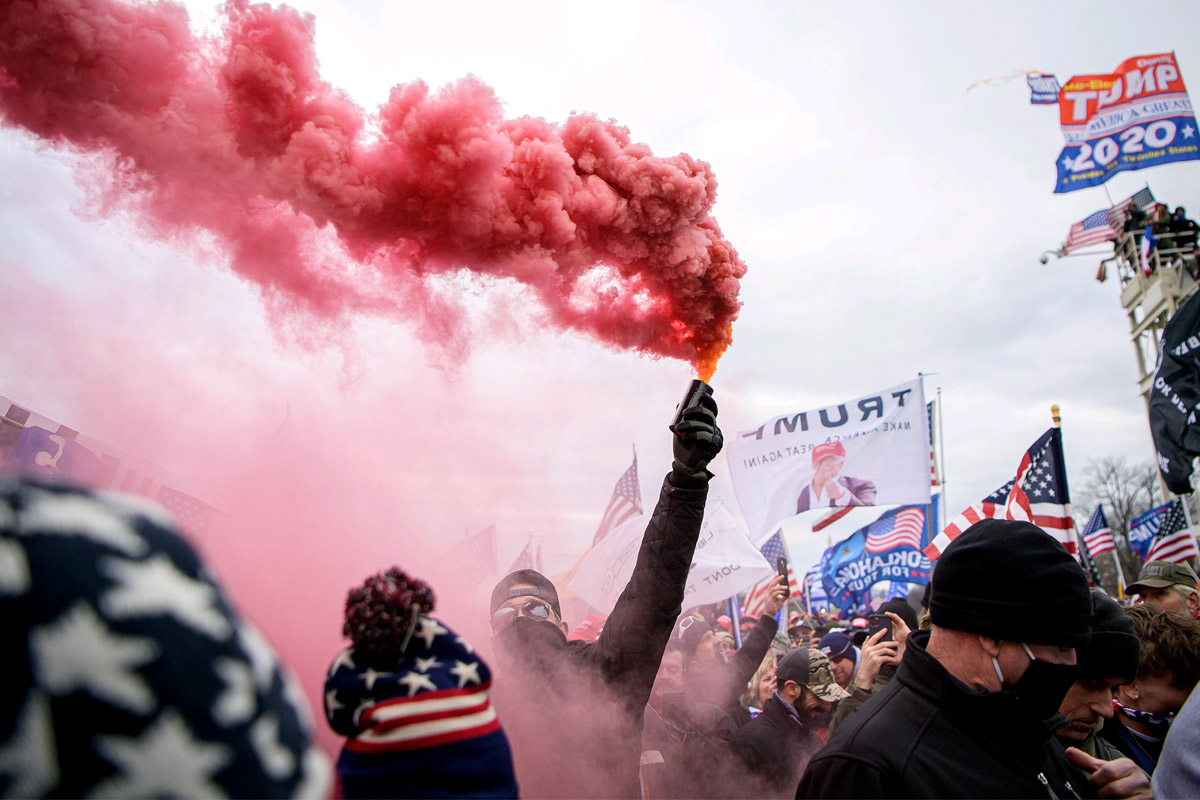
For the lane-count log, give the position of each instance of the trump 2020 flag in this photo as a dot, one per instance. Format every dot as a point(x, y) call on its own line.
point(872, 450)
point(725, 561)
point(886, 550)
point(1136, 117)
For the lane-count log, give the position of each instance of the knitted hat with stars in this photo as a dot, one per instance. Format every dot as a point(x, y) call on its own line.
point(128, 671)
point(413, 701)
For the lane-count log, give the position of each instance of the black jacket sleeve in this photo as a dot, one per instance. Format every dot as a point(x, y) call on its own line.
point(631, 645)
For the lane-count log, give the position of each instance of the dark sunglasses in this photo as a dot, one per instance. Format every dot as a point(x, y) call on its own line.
point(536, 609)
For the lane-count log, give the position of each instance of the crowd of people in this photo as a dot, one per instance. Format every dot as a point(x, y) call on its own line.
point(1014, 679)
point(1167, 234)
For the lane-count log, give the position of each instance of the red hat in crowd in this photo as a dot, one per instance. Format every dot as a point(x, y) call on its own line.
point(827, 449)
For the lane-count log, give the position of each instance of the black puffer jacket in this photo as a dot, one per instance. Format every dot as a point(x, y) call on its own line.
point(574, 709)
point(925, 735)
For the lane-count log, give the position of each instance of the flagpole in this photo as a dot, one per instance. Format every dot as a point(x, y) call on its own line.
point(1056, 417)
point(1120, 573)
point(941, 450)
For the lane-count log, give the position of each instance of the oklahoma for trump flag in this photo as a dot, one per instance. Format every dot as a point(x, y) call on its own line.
point(886, 550)
point(872, 450)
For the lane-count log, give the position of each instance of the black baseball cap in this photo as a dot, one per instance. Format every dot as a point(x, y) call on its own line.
point(539, 586)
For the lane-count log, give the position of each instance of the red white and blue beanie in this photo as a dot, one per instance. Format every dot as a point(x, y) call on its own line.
point(413, 701)
point(129, 673)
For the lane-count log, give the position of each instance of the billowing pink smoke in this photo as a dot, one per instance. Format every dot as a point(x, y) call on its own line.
point(240, 138)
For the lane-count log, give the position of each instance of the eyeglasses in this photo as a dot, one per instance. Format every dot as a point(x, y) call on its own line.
point(535, 609)
point(684, 624)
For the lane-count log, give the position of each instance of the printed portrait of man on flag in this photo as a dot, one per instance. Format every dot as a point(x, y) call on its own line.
point(828, 486)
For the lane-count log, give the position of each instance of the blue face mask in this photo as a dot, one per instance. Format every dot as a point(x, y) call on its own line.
point(1158, 721)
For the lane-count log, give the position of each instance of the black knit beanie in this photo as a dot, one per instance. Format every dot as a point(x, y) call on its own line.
point(1114, 649)
point(687, 635)
point(1013, 581)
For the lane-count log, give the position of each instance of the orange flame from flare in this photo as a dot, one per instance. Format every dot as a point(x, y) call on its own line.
point(706, 360)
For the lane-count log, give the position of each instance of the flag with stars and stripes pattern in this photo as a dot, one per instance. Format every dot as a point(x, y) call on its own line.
point(1038, 494)
point(625, 503)
point(1174, 541)
point(756, 595)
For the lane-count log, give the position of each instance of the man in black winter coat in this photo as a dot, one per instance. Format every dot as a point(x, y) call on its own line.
point(973, 708)
point(775, 745)
point(573, 709)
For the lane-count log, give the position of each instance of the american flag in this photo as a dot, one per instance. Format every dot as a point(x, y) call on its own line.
point(1104, 225)
point(1089, 564)
point(1174, 542)
point(1037, 494)
point(899, 528)
point(756, 595)
point(1096, 534)
point(525, 559)
point(191, 514)
point(625, 504)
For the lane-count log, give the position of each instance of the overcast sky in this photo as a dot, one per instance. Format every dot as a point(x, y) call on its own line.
point(891, 223)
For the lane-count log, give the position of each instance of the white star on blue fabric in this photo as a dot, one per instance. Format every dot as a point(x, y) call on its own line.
point(236, 702)
point(344, 659)
point(14, 569)
point(1067, 162)
point(258, 650)
point(332, 704)
point(277, 760)
point(1188, 131)
point(133, 506)
point(166, 760)
point(370, 676)
point(426, 664)
point(429, 630)
point(52, 514)
point(155, 587)
point(466, 673)
point(28, 756)
point(415, 681)
point(78, 651)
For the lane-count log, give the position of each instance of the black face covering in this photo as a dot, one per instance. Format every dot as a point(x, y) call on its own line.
point(528, 644)
point(1041, 690)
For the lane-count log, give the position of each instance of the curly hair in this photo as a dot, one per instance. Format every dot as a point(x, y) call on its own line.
point(1170, 644)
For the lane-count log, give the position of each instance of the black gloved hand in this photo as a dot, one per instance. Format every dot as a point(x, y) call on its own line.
point(697, 437)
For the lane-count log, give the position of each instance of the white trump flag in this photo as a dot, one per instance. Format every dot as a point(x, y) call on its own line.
point(725, 561)
point(870, 451)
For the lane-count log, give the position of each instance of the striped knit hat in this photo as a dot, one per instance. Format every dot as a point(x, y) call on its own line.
point(413, 700)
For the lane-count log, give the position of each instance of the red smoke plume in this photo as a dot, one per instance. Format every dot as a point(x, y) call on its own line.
point(239, 138)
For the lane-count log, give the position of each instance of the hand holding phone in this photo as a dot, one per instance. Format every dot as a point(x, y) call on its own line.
point(879, 622)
